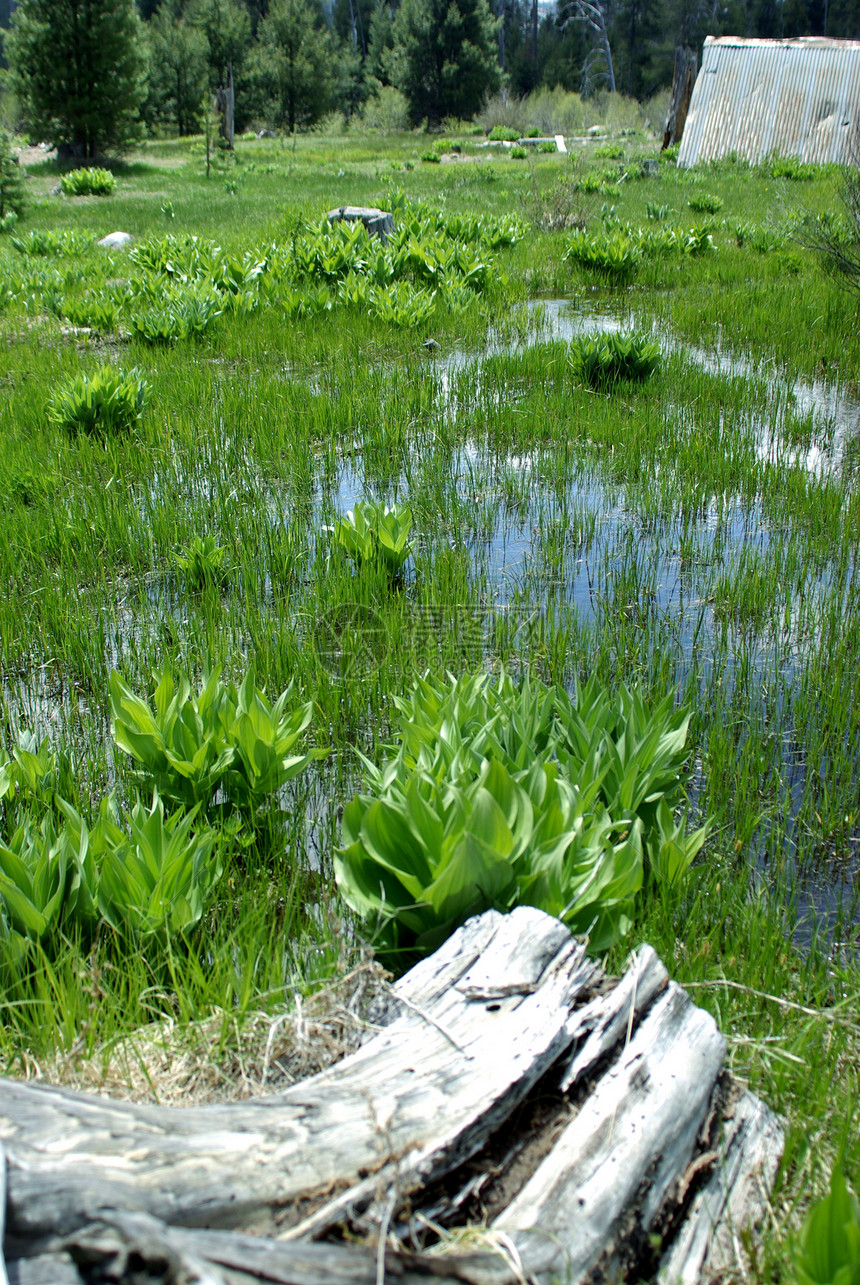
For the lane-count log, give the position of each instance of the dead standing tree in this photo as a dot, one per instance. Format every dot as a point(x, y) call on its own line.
point(592, 14)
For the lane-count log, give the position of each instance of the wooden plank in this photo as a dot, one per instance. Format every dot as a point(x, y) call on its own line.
point(630, 1142)
point(734, 1197)
point(414, 1102)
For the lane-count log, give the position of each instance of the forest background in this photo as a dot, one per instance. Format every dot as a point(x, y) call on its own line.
point(395, 63)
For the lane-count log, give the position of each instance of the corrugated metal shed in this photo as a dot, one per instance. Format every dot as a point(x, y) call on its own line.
point(791, 97)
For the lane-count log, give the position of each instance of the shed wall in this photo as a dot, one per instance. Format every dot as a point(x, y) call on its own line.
point(791, 97)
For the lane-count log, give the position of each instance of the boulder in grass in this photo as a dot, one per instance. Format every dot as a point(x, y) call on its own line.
point(116, 240)
point(378, 222)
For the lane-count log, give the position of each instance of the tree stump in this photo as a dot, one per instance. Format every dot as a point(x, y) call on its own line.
point(378, 222)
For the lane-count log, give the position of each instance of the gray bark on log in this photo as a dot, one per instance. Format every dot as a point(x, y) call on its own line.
point(509, 1013)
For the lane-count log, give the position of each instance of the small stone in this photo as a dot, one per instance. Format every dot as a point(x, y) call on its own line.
point(116, 240)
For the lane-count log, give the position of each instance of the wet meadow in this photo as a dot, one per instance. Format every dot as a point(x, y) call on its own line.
point(584, 424)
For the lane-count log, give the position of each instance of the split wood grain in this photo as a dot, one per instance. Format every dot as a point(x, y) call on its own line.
point(412, 1098)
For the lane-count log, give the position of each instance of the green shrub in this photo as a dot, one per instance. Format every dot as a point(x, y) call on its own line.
point(705, 203)
point(519, 153)
point(503, 134)
point(95, 312)
point(372, 534)
point(423, 857)
point(88, 182)
point(601, 361)
point(34, 773)
point(431, 157)
point(792, 167)
point(610, 152)
point(108, 401)
point(224, 738)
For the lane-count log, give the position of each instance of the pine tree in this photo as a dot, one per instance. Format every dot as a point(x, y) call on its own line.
point(445, 57)
point(179, 71)
point(296, 61)
point(78, 69)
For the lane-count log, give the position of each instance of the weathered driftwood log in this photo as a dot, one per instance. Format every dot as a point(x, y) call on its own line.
point(585, 1120)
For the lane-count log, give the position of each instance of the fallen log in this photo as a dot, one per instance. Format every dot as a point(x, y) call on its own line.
point(585, 1119)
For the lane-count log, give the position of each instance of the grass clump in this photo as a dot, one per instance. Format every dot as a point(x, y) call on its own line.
point(92, 181)
point(107, 402)
point(601, 361)
point(705, 203)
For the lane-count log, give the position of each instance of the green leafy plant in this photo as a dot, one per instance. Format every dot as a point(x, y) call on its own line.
point(108, 401)
point(202, 561)
point(157, 874)
point(827, 1251)
point(792, 167)
point(48, 878)
point(610, 152)
point(46, 243)
point(658, 213)
point(604, 360)
point(612, 255)
point(224, 737)
point(33, 773)
point(88, 182)
point(585, 787)
point(431, 157)
point(705, 203)
point(372, 534)
point(698, 239)
point(95, 312)
point(519, 153)
point(423, 856)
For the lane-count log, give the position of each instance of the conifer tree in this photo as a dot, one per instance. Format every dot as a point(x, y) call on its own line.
point(445, 57)
point(78, 69)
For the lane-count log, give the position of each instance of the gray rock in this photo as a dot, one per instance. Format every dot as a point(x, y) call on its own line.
point(116, 240)
point(378, 222)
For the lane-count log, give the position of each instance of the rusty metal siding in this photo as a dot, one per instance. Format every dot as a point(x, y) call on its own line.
point(792, 97)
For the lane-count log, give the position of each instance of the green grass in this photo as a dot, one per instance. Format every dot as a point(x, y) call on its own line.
point(668, 534)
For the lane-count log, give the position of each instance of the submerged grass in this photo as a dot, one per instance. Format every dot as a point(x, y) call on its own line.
point(694, 533)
